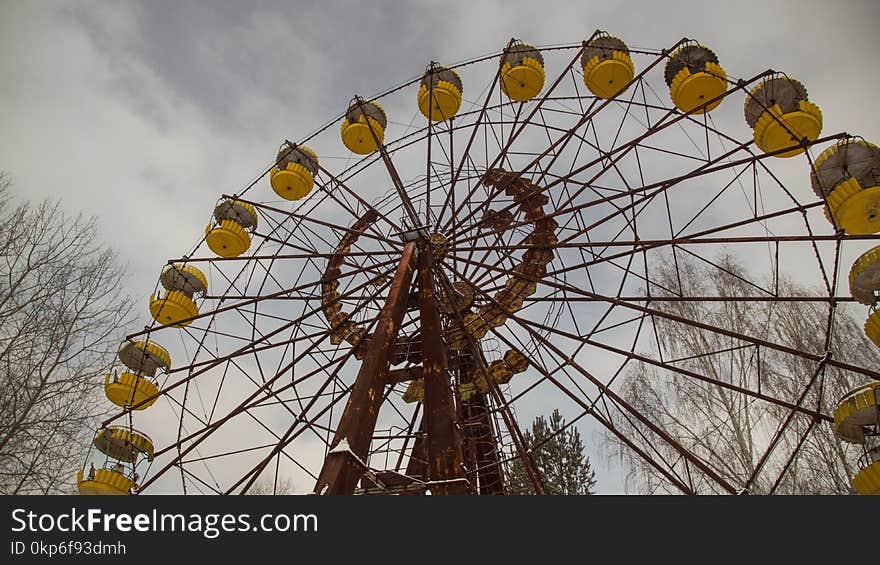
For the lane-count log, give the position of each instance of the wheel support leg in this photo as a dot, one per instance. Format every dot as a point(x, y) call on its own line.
point(446, 472)
point(346, 461)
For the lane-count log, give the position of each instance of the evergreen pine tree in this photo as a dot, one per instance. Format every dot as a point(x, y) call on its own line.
point(559, 456)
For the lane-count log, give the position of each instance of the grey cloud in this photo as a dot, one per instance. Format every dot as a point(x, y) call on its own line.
point(161, 106)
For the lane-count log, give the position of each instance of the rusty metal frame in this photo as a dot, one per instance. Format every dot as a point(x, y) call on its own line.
point(440, 456)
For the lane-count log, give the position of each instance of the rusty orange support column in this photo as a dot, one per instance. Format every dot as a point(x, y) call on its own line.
point(445, 469)
point(344, 465)
point(488, 463)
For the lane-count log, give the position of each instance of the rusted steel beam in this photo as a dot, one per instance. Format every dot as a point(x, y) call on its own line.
point(767, 298)
point(357, 197)
point(444, 444)
point(683, 240)
point(621, 402)
point(537, 338)
point(626, 254)
point(481, 437)
point(641, 249)
point(695, 323)
point(253, 300)
point(392, 172)
point(590, 408)
point(344, 466)
point(503, 408)
point(407, 374)
point(312, 255)
point(820, 371)
point(469, 453)
point(410, 434)
point(428, 161)
point(417, 466)
point(553, 298)
point(453, 226)
point(718, 163)
point(302, 217)
point(244, 350)
point(793, 455)
point(777, 436)
point(692, 374)
point(476, 127)
point(514, 133)
point(291, 434)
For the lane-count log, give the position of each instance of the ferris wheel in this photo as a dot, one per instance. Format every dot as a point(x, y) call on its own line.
point(384, 307)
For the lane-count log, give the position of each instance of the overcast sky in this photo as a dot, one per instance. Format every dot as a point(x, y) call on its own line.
point(142, 113)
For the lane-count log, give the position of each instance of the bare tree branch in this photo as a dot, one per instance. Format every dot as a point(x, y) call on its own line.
point(730, 430)
point(61, 316)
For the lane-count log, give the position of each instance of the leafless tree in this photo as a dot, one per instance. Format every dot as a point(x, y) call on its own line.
point(266, 486)
point(752, 443)
point(62, 312)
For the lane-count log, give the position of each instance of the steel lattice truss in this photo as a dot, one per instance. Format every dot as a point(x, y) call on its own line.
point(259, 384)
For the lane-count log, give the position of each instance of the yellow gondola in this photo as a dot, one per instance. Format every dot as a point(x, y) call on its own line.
point(847, 175)
point(500, 373)
point(177, 306)
point(462, 297)
point(857, 420)
point(867, 480)
point(694, 77)
point(229, 236)
point(480, 380)
point(466, 391)
point(492, 315)
point(456, 339)
point(864, 277)
point(781, 116)
point(607, 66)
point(123, 444)
point(129, 389)
point(443, 85)
point(104, 482)
point(363, 129)
point(293, 175)
point(522, 72)
point(144, 356)
point(856, 411)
